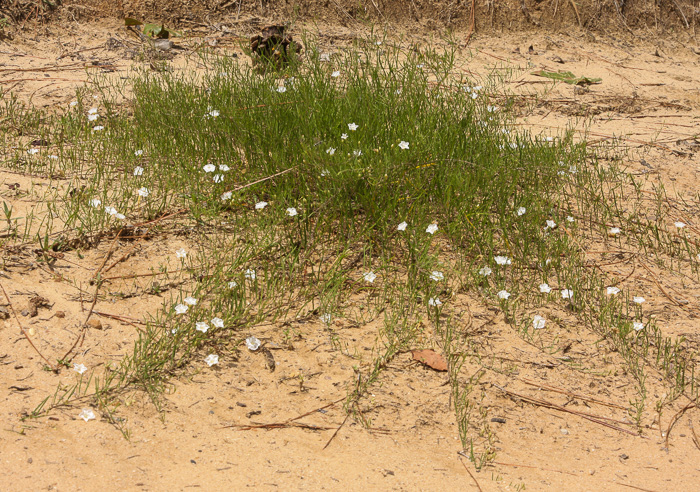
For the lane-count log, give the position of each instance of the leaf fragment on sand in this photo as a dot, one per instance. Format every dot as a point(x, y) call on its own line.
point(431, 359)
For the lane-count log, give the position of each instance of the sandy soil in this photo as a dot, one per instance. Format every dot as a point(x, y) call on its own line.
point(649, 100)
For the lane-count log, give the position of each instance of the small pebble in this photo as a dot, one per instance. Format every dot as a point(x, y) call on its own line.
point(499, 420)
point(94, 323)
point(565, 432)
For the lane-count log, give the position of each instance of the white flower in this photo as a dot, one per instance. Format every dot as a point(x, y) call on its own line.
point(32, 151)
point(73, 103)
point(612, 291)
point(54, 157)
point(434, 302)
point(79, 368)
point(181, 309)
point(335, 74)
point(250, 274)
point(98, 128)
point(202, 326)
point(567, 294)
point(485, 271)
point(93, 117)
point(474, 95)
point(398, 92)
point(143, 191)
point(252, 343)
point(491, 109)
point(209, 168)
point(344, 136)
point(119, 216)
point(324, 57)
point(111, 210)
point(679, 224)
point(614, 231)
point(326, 318)
point(281, 89)
point(95, 202)
point(291, 211)
point(538, 322)
point(223, 167)
point(260, 205)
point(503, 294)
point(551, 224)
point(545, 289)
point(173, 331)
point(357, 153)
point(432, 228)
point(502, 260)
point(521, 211)
point(213, 113)
point(403, 145)
point(92, 111)
point(138, 171)
point(324, 173)
point(369, 277)
point(87, 414)
point(232, 284)
point(181, 253)
point(138, 153)
point(437, 276)
point(218, 178)
point(638, 326)
point(330, 151)
point(638, 300)
point(572, 169)
point(226, 196)
point(401, 226)
point(217, 322)
point(190, 301)
point(352, 126)
point(211, 359)
point(570, 219)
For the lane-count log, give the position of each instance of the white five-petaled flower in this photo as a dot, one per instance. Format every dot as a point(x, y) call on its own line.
point(503, 294)
point(54, 157)
point(545, 289)
point(181, 309)
point(401, 226)
point(181, 253)
point(436, 276)
point(344, 136)
point(432, 228)
point(567, 294)
point(638, 300)
point(143, 191)
point(224, 167)
point(357, 153)
point(260, 205)
point(434, 302)
point(250, 274)
point(252, 343)
point(324, 57)
point(613, 291)
point(32, 151)
point(73, 103)
point(352, 126)
point(403, 145)
point(570, 219)
point(551, 224)
point(190, 301)
point(614, 231)
point(324, 173)
point(369, 276)
point(98, 128)
point(227, 195)
point(521, 211)
point(138, 153)
point(291, 211)
point(330, 151)
point(281, 89)
point(111, 210)
point(93, 117)
point(336, 73)
point(119, 216)
point(209, 168)
point(202, 326)
point(502, 260)
point(79, 368)
point(232, 284)
point(485, 271)
point(638, 326)
point(87, 414)
point(218, 178)
point(213, 113)
point(679, 224)
point(92, 111)
point(138, 171)
point(95, 202)
point(217, 322)
point(326, 318)
point(538, 322)
point(211, 359)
